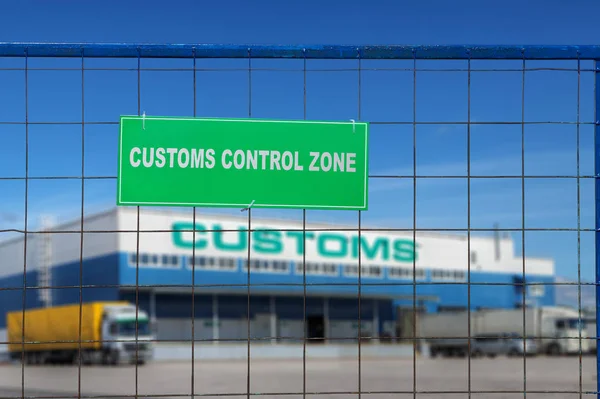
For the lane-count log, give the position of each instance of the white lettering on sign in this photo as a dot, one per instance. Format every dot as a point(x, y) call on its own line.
point(201, 158)
point(226, 164)
point(150, 157)
point(171, 151)
point(160, 156)
point(339, 162)
point(238, 159)
point(183, 158)
point(132, 161)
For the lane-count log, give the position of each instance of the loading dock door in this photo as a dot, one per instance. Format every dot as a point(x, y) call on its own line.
point(405, 325)
point(315, 326)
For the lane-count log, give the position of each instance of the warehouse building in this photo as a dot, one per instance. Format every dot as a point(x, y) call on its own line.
point(155, 268)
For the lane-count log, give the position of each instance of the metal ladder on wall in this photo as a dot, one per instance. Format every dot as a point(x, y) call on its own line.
point(44, 267)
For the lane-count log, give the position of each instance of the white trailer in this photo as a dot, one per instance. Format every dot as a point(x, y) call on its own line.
point(556, 330)
point(590, 326)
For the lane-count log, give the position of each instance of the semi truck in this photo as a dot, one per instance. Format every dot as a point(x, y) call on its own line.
point(555, 330)
point(111, 333)
point(591, 333)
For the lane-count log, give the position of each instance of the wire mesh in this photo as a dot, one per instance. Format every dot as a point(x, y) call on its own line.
point(345, 365)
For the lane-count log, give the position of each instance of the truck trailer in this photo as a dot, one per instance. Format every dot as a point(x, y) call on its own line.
point(555, 330)
point(109, 334)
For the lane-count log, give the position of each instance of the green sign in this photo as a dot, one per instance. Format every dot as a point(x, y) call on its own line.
point(165, 161)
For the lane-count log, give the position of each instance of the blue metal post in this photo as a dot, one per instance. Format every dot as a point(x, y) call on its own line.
point(597, 200)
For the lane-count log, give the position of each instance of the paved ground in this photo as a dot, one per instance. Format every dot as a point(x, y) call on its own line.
point(274, 378)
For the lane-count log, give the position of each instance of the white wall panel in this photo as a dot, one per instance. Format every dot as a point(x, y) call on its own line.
point(65, 246)
point(173, 329)
point(440, 251)
point(11, 256)
point(181, 329)
point(233, 329)
point(343, 329)
point(3, 338)
point(434, 251)
point(291, 329)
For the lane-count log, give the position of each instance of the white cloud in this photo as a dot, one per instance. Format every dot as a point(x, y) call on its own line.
point(537, 163)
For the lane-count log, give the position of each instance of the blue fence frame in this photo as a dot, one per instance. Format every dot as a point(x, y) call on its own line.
point(122, 50)
point(459, 52)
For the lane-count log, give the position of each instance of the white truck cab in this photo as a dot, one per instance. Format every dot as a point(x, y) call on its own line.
point(127, 335)
point(561, 335)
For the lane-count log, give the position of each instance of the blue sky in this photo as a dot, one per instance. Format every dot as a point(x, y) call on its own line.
point(55, 96)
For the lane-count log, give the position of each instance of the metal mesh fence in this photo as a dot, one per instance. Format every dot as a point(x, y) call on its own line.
point(461, 139)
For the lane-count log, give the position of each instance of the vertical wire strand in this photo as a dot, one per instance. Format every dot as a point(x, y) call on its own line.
point(304, 329)
point(596, 219)
point(248, 304)
point(249, 228)
point(304, 249)
point(524, 282)
point(24, 303)
point(469, 223)
point(81, 220)
point(137, 250)
point(194, 248)
point(579, 223)
point(359, 252)
point(414, 284)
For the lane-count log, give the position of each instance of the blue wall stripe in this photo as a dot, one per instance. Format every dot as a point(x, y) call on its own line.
point(505, 296)
point(114, 270)
point(96, 271)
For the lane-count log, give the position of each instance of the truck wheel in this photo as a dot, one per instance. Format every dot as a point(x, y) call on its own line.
point(554, 350)
point(111, 358)
point(513, 353)
point(433, 351)
point(34, 358)
point(42, 358)
point(86, 358)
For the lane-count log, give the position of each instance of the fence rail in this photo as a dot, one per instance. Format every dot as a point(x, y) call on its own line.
point(392, 52)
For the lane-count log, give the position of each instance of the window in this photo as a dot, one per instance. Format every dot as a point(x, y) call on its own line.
point(405, 273)
point(280, 266)
point(366, 271)
point(197, 261)
point(458, 275)
point(212, 263)
point(454, 275)
point(473, 257)
point(331, 269)
point(266, 266)
point(155, 261)
point(317, 269)
point(226, 263)
point(374, 271)
point(351, 270)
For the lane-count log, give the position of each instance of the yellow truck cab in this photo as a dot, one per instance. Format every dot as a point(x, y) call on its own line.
point(107, 333)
